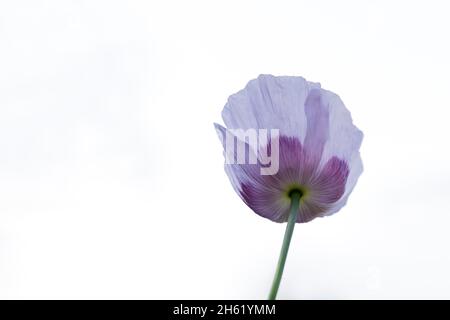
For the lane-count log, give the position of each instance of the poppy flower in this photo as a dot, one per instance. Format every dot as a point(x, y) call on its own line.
point(316, 144)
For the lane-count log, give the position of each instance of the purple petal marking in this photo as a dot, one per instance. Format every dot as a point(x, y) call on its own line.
point(268, 195)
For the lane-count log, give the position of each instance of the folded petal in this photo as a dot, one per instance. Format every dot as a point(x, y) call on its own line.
point(343, 142)
point(317, 125)
point(344, 137)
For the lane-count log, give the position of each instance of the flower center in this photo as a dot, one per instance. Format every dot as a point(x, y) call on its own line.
point(295, 192)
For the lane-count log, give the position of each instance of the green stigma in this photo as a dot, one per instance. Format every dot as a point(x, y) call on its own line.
point(295, 189)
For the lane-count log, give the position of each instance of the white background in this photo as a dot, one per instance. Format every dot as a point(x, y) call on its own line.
point(111, 174)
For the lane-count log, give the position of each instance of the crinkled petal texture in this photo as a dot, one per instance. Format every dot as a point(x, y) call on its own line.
point(318, 147)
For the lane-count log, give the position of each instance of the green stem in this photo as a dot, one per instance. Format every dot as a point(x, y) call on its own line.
point(295, 203)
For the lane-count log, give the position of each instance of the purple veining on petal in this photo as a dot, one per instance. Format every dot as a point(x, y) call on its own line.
point(325, 189)
point(329, 185)
point(264, 201)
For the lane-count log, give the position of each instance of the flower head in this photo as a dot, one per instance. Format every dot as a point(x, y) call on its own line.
point(315, 140)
